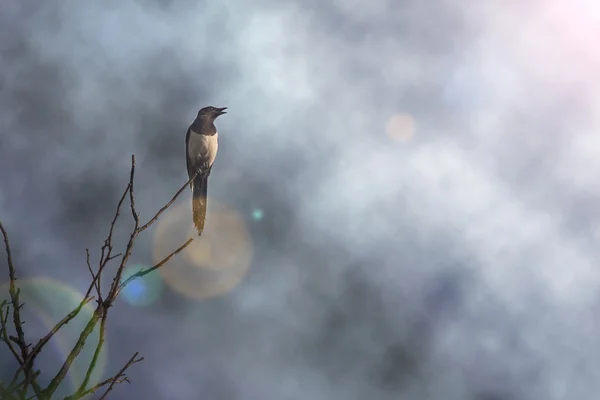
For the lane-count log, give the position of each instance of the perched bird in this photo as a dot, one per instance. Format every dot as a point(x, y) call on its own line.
point(201, 144)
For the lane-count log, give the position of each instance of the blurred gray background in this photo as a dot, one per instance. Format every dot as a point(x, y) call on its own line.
point(415, 183)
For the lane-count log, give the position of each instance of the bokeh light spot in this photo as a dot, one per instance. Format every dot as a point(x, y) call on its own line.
point(214, 263)
point(400, 127)
point(142, 291)
point(257, 214)
point(48, 301)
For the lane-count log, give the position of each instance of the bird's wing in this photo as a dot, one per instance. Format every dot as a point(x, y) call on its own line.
point(187, 154)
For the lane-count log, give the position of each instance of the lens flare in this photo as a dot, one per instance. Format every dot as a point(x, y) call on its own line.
point(400, 127)
point(257, 214)
point(214, 263)
point(142, 291)
point(48, 301)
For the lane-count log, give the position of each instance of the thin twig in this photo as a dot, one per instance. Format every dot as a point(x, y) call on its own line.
point(136, 216)
point(11, 267)
point(144, 272)
point(121, 373)
point(4, 330)
point(94, 277)
point(118, 378)
point(105, 258)
point(114, 256)
point(112, 294)
point(117, 213)
point(153, 219)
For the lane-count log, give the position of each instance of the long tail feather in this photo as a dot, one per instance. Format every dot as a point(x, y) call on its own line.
point(199, 194)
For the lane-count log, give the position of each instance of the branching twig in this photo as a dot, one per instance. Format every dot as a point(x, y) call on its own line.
point(112, 294)
point(120, 376)
point(106, 255)
point(14, 296)
point(144, 272)
point(94, 278)
point(14, 293)
point(116, 284)
point(4, 330)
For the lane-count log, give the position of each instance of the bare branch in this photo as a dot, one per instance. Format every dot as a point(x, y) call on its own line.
point(94, 277)
point(114, 256)
point(110, 298)
point(14, 295)
point(153, 220)
point(16, 317)
point(58, 378)
point(144, 272)
point(106, 255)
point(136, 216)
point(11, 267)
point(92, 365)
point(117, 213)
point(120, 376)
point(68, 318)
point(4, 330)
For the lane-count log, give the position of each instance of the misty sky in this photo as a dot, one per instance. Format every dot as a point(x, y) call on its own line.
point(453, 256)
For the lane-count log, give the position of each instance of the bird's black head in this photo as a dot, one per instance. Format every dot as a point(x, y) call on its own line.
point(211, 113)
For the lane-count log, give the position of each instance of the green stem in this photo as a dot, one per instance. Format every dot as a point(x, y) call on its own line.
point(56, 381)
point(80, 392)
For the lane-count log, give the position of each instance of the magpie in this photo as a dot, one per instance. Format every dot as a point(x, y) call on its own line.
point(201, 145)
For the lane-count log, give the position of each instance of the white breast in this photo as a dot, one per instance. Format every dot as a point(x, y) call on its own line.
point(211, 145)
point(203, 147)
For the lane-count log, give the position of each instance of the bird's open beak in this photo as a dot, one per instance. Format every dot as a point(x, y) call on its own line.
point(221, 111)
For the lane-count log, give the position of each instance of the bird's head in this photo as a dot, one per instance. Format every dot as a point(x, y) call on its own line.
point(211, 113)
